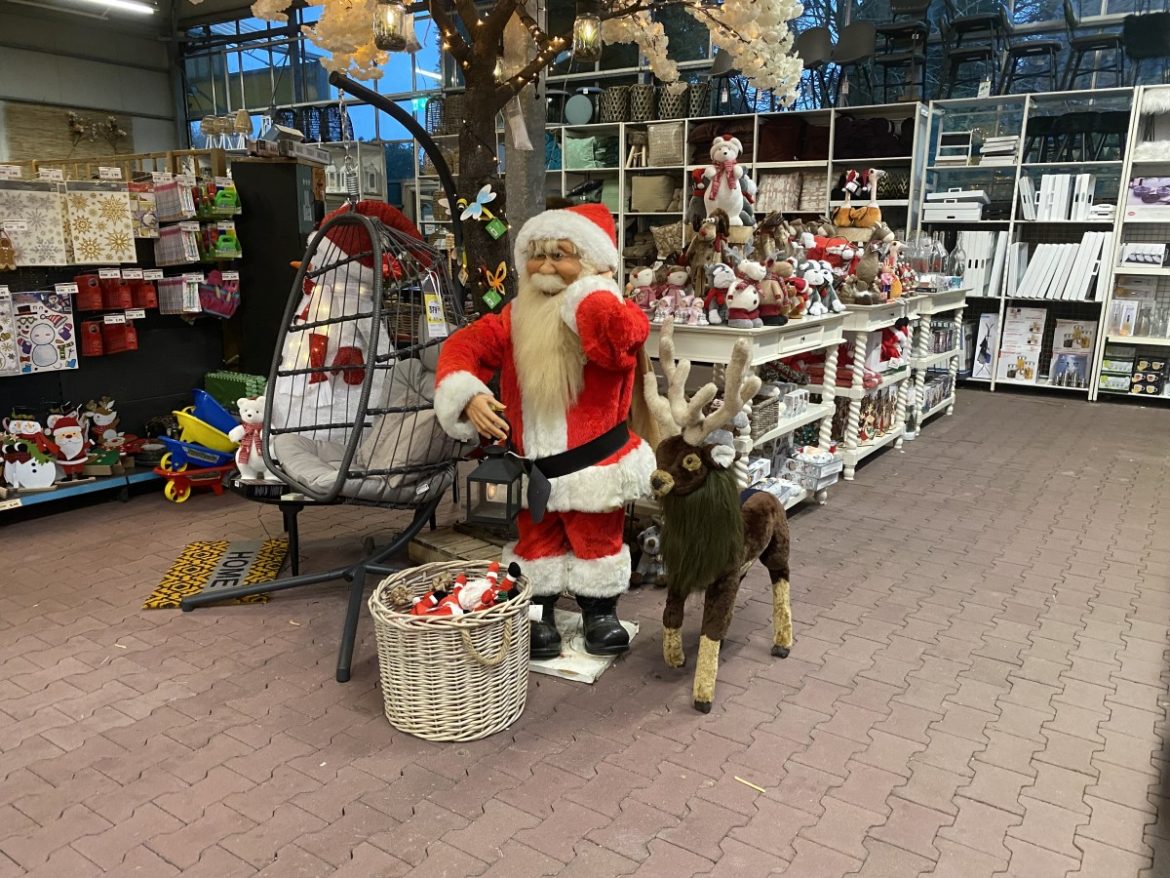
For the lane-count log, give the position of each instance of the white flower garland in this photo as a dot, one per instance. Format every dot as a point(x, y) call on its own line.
point(754, 32)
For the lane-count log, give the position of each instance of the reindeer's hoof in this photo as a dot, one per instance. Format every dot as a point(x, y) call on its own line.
point(676, 663)
point(703, 706)
point(780, 651)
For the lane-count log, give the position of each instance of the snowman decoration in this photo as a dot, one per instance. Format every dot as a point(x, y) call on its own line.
point(39, 346)
point(29, 456)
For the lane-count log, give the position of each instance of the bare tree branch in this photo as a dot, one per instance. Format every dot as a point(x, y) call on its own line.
point(450, 33)
point(497, 20)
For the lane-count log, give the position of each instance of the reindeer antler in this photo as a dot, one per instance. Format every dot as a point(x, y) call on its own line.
point(676, 413)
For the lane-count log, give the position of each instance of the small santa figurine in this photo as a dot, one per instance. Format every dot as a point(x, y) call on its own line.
point(72, 446)
point(567, 352)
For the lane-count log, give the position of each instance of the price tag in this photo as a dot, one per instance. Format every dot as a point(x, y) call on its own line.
point(226, 226)
point(189, 226)
point(436, 319)
point(69, 289)
point(186, 179)
point(9, 172)
point(224, 182)
point(114, 318)
point(109, 273)
point(136, 314)
point(109, 173)
point(161, 176)
point(4, 291)
point(194, 278)
point(152, 274)
point(15, 503)
point(15, 226)
point(132, 274)
point(230, 275)
point(51, 174)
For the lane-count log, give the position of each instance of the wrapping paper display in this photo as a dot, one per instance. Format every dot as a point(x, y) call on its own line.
point(45, 337)
point(9, 361)
point(100, 223)
point(33, 214)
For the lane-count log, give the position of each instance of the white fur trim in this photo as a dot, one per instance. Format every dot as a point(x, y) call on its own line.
point(600, 577)
point(546, 575)
point(723, 456)
point(603, 488)
point(452, 395)
point(592, 243)
point(579, 290)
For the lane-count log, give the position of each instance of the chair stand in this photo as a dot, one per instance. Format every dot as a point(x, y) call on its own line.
point(354, 574)
point(1094, 47)
point(1023, 52)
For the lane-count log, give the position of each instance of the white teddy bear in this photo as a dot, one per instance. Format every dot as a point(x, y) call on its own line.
point(642, 289)
point(727, 186)
point(249, 456)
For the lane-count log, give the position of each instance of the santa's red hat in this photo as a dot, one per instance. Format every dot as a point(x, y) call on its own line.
point(589, 226)
point(352, 239)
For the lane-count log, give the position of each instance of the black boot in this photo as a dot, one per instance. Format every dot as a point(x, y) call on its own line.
point(545, 639)
point(604, 634)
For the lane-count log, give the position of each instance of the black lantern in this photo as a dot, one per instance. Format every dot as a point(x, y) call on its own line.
point(493, 489)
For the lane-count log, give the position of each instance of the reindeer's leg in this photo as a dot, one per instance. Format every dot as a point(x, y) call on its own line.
point(717, 609)
point(775, 558)
point(672, 619)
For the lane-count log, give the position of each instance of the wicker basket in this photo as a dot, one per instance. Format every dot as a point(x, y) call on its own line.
point(451, 678)
point(699, 96)
point(641, 103)
point(672, 106)
point(614, 103)
point(765, 415)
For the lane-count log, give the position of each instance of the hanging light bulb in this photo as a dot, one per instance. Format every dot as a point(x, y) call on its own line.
point(390, 25)
point(587, 31)
point(498, 71)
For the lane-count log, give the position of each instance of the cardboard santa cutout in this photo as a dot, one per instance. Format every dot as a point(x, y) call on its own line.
point(566, 354)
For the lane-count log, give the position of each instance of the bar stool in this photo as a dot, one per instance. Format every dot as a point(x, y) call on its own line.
point(1109, 132)
point(855, 47)
point(1091, 44)
point(958, 59)
point(988, 24)
point(1027, 50)
point(815, 48)
point(1039, 142)
point(1146, 37)
point(905, 46)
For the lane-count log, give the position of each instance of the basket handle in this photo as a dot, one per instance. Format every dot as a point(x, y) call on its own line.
point(494, 660)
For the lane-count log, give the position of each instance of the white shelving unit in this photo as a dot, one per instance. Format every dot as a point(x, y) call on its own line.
point(1138, 225)
point(1012, 114)
point(369, 162)
point(712, 346)
point(928, 308)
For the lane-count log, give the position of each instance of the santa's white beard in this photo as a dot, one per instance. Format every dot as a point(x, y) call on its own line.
point(71, 448)
point(547, 353)
point(549, 284)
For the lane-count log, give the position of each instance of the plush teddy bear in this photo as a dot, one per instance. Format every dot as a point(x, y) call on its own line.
point(642, 289)
point(722, 277)
point(727, 186)
point(650, 570)
point(773, 295)
point(815, 277)
point(249, 456)
point(743, 306)
point(676, 286)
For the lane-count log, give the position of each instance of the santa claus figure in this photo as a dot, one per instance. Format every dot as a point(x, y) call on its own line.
point(72, 446)
point(566, 350)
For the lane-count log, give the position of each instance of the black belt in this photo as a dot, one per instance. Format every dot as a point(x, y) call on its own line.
point(555, 466)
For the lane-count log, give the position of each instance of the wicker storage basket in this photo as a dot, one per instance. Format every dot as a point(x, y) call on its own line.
point(615, 103)
point(671, 105)
point(453, 112)
point(699, 98)
point(765, 415)
point(641, 103)
point(451, 678)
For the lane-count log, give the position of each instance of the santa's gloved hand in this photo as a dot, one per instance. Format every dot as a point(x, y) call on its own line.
point(348, 362)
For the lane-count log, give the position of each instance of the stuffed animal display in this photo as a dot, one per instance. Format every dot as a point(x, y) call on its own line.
point(467, 595)
point(727, 187)
point(248, 434)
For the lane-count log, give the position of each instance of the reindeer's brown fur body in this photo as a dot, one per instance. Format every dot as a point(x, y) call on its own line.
point(709, 538)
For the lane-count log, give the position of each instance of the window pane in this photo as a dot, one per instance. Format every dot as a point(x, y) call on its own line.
point(204, 84)
point(689, 38)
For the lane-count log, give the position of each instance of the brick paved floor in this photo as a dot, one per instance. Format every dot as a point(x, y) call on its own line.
point(977, 688)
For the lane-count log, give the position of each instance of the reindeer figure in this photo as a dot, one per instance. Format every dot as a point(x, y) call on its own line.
point(709, 538)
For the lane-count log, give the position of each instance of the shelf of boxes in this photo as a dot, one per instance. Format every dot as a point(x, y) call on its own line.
point(712, 345)
point(1008, 115)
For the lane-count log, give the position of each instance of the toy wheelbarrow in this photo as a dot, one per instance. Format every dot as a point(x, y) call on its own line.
point(180, 485)
point(181, 455)
point(198, 432)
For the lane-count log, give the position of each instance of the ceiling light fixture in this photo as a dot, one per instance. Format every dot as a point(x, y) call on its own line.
point(125, 6)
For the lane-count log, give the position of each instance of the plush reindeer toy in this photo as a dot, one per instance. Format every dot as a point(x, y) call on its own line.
point(709, 538)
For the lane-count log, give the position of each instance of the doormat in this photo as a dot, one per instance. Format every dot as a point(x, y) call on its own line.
point(212, 565)
point(574, 663)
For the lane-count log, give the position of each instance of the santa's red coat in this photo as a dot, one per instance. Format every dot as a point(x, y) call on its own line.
point(612, 331)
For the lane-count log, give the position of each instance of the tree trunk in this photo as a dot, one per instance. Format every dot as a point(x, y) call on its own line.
point(524, 177)
point(478, 166)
